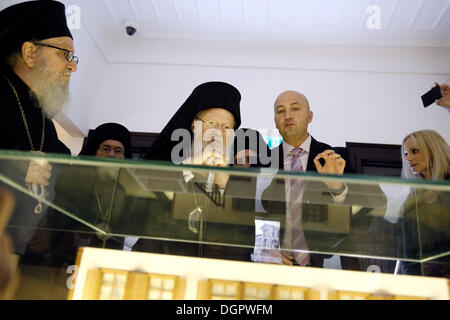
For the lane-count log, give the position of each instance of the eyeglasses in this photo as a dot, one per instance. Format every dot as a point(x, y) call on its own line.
point(107, 149)
point(214, 124)
point(69, 54)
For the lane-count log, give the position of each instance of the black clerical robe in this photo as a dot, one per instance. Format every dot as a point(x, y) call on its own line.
point(13, 135)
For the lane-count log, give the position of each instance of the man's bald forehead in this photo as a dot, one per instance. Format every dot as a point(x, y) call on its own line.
point(293, 96)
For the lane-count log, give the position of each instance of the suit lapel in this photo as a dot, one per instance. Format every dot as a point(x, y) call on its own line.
point(281, 157)
point(313, 152)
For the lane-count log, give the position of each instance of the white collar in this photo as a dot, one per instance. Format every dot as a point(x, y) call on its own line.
point(287, 148)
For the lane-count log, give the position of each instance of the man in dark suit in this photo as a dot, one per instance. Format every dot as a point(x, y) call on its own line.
point(300, 152)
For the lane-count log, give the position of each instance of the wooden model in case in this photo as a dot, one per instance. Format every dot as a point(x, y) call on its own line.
point(107, 274)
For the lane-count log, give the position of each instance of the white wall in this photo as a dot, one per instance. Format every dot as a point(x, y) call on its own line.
point(84, 82)
point(358, 94)
point(353, 106)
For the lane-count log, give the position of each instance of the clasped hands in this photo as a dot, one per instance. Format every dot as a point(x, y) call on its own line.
point(213, 155)
point(39, 172)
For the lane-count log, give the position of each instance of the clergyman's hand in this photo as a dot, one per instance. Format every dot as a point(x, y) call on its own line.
point(213, 156)
point(39, 172)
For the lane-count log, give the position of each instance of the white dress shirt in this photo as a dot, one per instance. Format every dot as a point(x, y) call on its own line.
point(287, 148)
point(306, 146)
point(264, 182)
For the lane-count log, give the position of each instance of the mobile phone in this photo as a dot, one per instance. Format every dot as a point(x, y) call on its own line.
point(431, 96)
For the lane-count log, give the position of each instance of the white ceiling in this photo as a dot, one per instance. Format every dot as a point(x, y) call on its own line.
point(403, 22)
point(418, 23)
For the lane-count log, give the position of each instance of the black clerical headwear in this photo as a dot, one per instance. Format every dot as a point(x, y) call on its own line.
point(205, 96)
point(108, 131)
point(31, 20)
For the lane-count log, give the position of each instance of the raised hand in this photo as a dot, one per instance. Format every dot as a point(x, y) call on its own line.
point(334, 164)
point(445, 100)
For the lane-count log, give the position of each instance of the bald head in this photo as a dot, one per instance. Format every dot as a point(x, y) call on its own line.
point(291, 96)
point(292, 117)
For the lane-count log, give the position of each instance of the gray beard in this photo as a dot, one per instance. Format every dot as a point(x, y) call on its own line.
point(107, 173)
point(52, 97)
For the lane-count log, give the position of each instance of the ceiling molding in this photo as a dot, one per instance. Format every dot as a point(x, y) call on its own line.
point(443, 12)
point(391, 14)
point(201, 25)
point(415, 15)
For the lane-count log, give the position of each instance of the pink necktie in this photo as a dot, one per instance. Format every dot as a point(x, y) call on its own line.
point(295, 210)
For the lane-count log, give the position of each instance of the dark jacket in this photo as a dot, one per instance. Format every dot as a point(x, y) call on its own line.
point(316, 199)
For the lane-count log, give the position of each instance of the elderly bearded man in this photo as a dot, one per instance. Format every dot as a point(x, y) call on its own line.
point(36, 62)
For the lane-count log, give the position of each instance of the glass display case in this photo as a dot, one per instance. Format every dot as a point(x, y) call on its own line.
point(376, 224)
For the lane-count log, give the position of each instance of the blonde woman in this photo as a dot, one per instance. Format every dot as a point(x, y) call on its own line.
point(426, 155)
point(426, 215)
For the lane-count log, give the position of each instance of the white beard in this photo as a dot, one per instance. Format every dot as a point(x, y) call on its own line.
point(107, 173)
point(52, 97)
